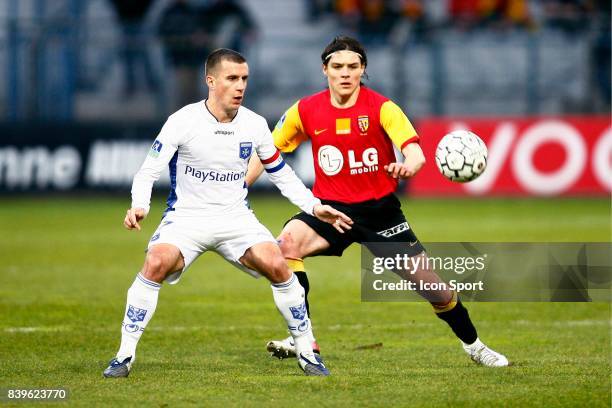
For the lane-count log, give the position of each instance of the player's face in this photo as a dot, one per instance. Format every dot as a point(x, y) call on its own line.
point(228, 84)
point(343, 71)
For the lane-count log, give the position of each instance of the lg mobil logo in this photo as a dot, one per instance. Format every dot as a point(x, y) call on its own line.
point(547, 157)
point(331, 160)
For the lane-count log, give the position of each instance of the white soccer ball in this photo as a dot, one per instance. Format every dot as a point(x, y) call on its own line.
point(461, 156)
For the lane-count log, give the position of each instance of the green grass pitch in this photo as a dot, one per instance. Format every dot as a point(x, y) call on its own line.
point(67, 263)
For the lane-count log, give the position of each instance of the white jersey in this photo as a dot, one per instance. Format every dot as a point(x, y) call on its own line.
point(208, 163)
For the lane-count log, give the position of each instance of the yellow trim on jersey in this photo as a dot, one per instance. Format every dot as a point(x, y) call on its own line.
point(396, 124)
point(289, 131)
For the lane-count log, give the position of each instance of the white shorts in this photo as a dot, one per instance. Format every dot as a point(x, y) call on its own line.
point(229, 235)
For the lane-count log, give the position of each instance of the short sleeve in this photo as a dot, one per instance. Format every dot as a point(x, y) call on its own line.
point(396, 125)
point(289, 131)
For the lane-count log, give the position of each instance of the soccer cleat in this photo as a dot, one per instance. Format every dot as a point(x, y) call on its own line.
point(118, 369)
point(286, 348)
point(312, 365)
point(483, 355)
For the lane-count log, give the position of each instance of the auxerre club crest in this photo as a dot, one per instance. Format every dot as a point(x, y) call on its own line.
point(245, 149)
point(364, 123)
point(298, 312)
point(136, 314)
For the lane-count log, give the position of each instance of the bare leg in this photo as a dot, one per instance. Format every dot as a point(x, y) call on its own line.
point(297, 241)
point(444, 301)
point(288, 294)
point(424, 273)
point(161, 260)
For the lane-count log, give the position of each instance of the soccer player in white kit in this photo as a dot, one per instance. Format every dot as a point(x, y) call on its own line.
point(207, 146)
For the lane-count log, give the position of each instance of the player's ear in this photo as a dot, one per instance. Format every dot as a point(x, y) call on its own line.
point(324, 69)
point(210, 81)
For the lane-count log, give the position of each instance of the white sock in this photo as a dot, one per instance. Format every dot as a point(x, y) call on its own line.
point(141, 303)
point(289, 299)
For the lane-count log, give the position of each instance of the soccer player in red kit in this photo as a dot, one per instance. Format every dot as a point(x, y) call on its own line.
point(353, 130)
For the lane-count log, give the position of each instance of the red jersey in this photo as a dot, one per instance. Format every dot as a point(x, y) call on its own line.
point(350, 146)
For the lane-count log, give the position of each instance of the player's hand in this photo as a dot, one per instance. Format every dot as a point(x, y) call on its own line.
point(398, 171)
point(414, 161)
point(132, 217)
point(330, 215)
point(402, 170)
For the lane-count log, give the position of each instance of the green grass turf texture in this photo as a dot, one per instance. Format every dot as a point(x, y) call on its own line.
point(67, 263)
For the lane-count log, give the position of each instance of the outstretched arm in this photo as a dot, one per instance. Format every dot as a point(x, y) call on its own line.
point(292, 187)
point(330, 215)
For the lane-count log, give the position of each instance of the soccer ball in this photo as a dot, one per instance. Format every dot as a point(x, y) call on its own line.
point(461, 156)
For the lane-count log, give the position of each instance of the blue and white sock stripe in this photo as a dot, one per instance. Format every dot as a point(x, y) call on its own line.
point(274, 163)
point(147, 282)
point(285, 284)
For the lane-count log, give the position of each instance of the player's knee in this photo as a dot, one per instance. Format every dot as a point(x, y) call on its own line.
point(155, 268)
point(278, 271)
point(288, 246)
point(445, 301)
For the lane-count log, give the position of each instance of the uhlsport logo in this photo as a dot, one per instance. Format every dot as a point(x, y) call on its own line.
point(132, 328)
point(245, 149)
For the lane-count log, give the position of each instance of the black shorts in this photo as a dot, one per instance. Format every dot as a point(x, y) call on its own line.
point(375, 221)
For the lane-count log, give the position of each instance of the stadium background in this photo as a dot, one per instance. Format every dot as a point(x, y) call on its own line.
point(87, 84)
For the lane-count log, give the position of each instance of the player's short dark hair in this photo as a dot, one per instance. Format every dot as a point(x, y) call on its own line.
point(222, 54)
point(342, 43)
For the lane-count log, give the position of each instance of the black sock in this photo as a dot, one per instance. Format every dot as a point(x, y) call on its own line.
point(459, 321)
point(303, 279)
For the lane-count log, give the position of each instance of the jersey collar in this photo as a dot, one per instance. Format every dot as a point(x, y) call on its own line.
point(211, 118)
point(362, 90)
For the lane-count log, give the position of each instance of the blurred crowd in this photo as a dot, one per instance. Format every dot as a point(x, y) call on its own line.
point(185, 31)
point(372, 18)
point(188, 31)
point(376, 22)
